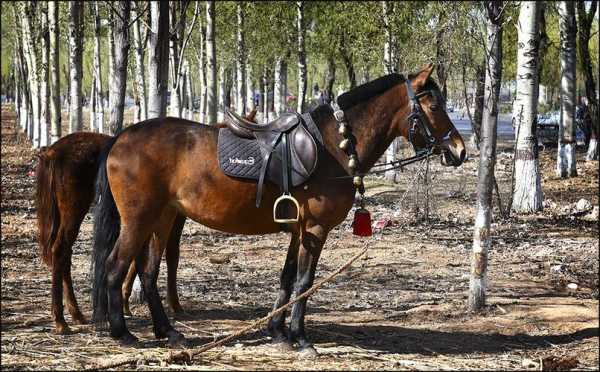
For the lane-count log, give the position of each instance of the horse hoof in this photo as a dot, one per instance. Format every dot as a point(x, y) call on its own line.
point(307, 352)
point(128, 339)
point(62, 329)
point(176, 339)
point(283, 344)
point(79, 319)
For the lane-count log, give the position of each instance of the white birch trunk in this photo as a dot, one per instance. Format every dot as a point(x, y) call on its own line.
point(97, 104)
point(487, 159)
point(76, 65)
point(565, 160)
point(202, 71)
point(211, 64)
point(33, 75)
point(387, 45)
point(189, 91)
point(265, 88)
point(139, 39)
point(279, 85)
point(527, 197)
point(221, 102)
point(241, 63)
point(249, 89)
point(158, 59)
point(174, 44)
point(301, 57)
point(120, 31)
point(44, 89)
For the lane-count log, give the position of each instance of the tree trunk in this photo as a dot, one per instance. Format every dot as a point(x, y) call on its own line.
point(139, 41)
point(97, 103)
point(202, 70)
point(487, 158)
point(33, 73)
point(565, 160)
point(175, 44)
point(189, 91)
point(330, 79)
point(301, 57)
point(76, 65)
point(221, 99)
point(478, 112)
point(241, 62)
point(211, 64)
point(44, 89)
point(347, 59)
point(158, 59)
point(17, 87)
point(249, 89)
point(265, 95)
point(527, 196)
point(120, 31)
point(585, 21)
point(22, 71)
point(388, 63)
point(278, 92)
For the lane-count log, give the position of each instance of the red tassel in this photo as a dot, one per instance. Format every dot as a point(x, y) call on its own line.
point(362, 223)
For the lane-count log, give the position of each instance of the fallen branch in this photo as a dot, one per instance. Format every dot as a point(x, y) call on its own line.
point(186, 356)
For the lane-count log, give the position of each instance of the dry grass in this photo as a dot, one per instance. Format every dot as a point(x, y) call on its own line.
point(401, 307)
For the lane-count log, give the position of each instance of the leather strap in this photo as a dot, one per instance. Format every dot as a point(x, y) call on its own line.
point(263, 169)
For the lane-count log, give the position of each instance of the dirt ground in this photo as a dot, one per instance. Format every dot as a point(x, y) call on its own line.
point(400, 307)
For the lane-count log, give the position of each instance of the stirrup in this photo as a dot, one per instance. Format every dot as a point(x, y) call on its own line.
point(286, 196)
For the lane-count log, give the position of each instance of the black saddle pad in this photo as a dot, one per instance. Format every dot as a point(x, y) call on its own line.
point(239, 157)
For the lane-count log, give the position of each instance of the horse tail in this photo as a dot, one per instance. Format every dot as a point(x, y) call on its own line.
point(107, 225)
point(48, 217)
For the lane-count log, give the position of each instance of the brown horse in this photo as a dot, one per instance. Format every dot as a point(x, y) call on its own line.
point(65, 176)
point(165, 167)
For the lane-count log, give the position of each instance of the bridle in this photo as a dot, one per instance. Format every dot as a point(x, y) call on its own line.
point(418, 122)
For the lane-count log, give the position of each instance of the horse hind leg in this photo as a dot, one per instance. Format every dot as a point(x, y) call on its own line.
point(308, 257)
point(148, 264)
point(70, 299)
point(172, 257)
point(58, 266)
point(276, 326)
point(128, 246)
point(127, 287)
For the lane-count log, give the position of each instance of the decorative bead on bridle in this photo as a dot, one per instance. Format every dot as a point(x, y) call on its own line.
point(348, 145)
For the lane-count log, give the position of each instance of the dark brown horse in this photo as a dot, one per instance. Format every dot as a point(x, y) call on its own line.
point(65, 175)
point(165, 167)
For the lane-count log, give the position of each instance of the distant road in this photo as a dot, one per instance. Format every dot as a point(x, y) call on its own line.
point(505, 129)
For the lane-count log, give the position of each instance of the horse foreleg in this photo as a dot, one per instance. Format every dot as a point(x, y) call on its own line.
point(276, 325)
point(172, 256)
point(312, 241)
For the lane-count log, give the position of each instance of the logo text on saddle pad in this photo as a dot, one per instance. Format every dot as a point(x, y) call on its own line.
point(249, 161)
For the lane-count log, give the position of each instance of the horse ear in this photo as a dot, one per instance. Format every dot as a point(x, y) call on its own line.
point(424, 74)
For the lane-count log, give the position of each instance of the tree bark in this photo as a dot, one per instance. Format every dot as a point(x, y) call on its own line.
point(478, 112)
point(241, 62)
point(211, 64)
point(76, 65)
point(33, 74)
point(44, 88)
point(527, 196)
point(158, 59)
point(565, 160)
point(330, 79)
point(388, 63)
point(301, 57)
point(97, 103)
point(585, 21)
point(221, 99)
point(176, 27)
point(201, 56)
point(279, 86)
point(120, 31)
point(140, 35)
point(189, 91)
point(487, 159)
point(21, 65)
point(249, 89)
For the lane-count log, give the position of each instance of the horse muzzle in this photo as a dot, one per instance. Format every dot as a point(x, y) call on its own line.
point(453, 150)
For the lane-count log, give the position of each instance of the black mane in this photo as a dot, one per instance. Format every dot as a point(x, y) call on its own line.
point(368, 90)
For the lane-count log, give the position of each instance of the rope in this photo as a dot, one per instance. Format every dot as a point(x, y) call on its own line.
point(187, 355)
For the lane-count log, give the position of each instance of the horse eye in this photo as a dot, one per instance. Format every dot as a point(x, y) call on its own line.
point(433, 107)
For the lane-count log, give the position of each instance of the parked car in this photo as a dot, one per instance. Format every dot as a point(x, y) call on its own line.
point(547, 128)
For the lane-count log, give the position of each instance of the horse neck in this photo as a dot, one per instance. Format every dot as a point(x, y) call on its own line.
point(372, 123)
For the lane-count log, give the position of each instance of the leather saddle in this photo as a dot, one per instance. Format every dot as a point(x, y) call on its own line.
point(289, 155)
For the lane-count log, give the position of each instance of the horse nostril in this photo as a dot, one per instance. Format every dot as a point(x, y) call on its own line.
point(462, 155)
